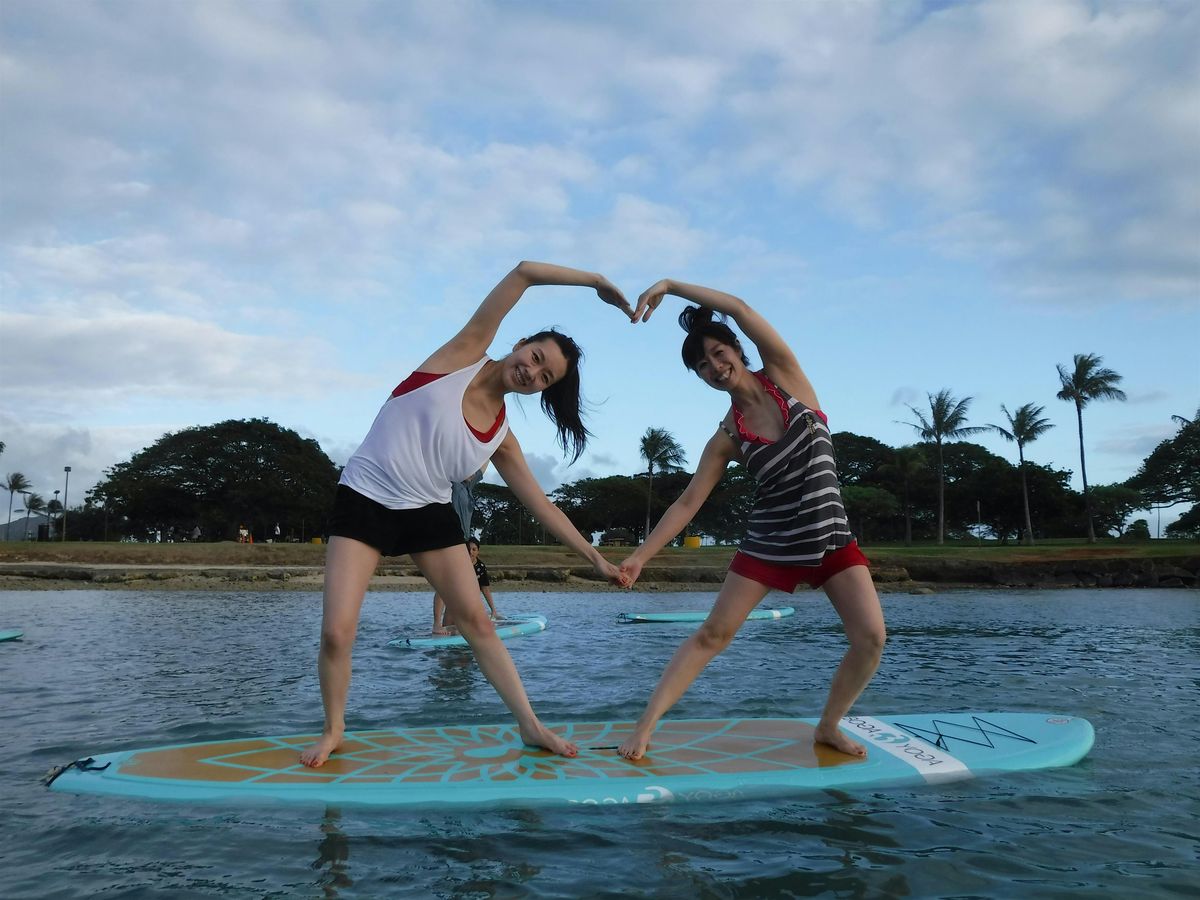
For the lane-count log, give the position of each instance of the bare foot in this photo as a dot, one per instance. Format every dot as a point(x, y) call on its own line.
point(314, 757)
point(440, 630)
point(833, 737)
point(636, 744)
point(540, 736)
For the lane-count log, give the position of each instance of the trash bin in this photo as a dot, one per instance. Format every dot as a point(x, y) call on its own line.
point(316, 540)
point(691, 541)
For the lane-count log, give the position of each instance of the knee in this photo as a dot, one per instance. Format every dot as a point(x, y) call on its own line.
point(870, 640)
point(337, 640)
point(476, 623)
point(713, 637)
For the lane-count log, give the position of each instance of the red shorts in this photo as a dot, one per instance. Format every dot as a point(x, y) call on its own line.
point(786, 578)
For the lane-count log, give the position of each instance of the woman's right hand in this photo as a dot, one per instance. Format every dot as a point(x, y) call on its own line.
point(649, 300)
point(612, 295)
point(608, 571)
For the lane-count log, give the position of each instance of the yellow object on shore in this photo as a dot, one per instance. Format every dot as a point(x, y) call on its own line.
point(691, 540)
point(316, 540)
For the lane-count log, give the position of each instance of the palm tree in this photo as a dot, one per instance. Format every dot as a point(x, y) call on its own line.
point(53, 510)
point(1088, 382)
point(34, 504)
point(906, 464)
point(1026, 426)
point(1182, 420)
point(946, 422)
point(660, 450)
point(14, 483)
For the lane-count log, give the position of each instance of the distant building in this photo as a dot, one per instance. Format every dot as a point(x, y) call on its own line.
point(22, 529)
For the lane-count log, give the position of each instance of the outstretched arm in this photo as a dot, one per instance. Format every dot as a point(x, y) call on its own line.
point(477, 335)
point(487, 595)
point(510, 463)
point(718, 453)
point(778, 359)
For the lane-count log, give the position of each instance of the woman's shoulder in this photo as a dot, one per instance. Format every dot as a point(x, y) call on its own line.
point(791, 384)
point(449, 362)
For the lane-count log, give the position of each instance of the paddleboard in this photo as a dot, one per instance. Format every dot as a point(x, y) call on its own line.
point(696, 760)
point(698, 615)
point(11, 635)
point(509, 626)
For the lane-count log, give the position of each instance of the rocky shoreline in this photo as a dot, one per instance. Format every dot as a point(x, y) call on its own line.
point(919, 575)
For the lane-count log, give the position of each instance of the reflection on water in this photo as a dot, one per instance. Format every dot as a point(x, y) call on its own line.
point(333, 852)
point(453, 675)
point(107, 671)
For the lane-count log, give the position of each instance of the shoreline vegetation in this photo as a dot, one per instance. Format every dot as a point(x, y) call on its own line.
point(226, 565)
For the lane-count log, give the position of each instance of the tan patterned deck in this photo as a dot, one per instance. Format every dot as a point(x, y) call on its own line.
point(494, 754)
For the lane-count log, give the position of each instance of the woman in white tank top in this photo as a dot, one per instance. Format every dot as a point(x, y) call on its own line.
point(405, 468)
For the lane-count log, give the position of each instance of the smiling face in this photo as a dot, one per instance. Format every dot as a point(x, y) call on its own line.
point(720, 366)
point(533, 366)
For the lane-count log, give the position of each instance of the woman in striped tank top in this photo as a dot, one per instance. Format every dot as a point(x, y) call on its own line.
point(797, 531)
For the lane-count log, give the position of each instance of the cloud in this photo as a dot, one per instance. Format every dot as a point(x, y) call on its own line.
point(1148, 397)
point(76, 362)
point(905, 396)
point(1136, 441)
point(1053, 141)
point(545, 469)
point(41, 451)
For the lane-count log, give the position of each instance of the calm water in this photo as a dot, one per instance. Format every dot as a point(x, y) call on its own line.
point(102, 671)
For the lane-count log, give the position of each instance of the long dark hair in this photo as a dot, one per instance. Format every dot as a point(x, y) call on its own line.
point(699, 323)
point(561, 401)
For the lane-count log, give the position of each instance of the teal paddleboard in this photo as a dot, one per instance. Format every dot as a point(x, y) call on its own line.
point(509, 626)
point(699, 615)
point(697, 760)
point(11, 635)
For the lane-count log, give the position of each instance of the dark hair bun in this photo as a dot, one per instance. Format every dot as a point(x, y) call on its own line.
point(695, 317)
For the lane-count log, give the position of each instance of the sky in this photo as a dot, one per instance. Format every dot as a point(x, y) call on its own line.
point(222, 210)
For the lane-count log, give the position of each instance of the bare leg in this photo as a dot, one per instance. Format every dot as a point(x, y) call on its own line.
point(852, 593)
point(737, 597)
point(442, 620)
point(349, 565)
point(450, 572)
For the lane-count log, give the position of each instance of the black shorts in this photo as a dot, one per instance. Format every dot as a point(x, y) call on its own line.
point(394, 532)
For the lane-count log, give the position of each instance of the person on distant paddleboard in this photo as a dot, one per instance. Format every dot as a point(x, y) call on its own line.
point(438, 427)
point(462, 498)
point(443, 619)
point(797, 531)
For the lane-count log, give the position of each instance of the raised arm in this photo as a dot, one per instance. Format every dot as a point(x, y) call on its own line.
point(718, 453)
point(778, 359)
point(510, 463)
point(477, 335)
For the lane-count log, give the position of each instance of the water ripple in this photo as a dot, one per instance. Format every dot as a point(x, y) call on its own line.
point(100, 671)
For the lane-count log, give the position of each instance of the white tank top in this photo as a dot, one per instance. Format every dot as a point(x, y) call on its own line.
point(420, 444)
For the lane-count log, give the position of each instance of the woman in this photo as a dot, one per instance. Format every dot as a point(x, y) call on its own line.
point(438, 427)
point(797, 531)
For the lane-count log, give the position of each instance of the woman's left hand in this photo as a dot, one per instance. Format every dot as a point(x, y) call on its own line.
point(649, 300)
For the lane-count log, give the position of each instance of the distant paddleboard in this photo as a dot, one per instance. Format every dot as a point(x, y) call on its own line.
point(697, 760)
point(11, 635)
point(698, 615)
point(509, 626)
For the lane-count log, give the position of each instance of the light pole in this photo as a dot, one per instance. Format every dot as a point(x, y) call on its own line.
point(56, 504)
point(25, 494)
point(66, 487)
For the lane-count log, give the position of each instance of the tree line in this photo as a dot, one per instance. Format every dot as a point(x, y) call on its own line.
point(206, 482)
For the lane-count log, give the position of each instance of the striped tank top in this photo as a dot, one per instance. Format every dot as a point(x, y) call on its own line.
point(798, 514)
